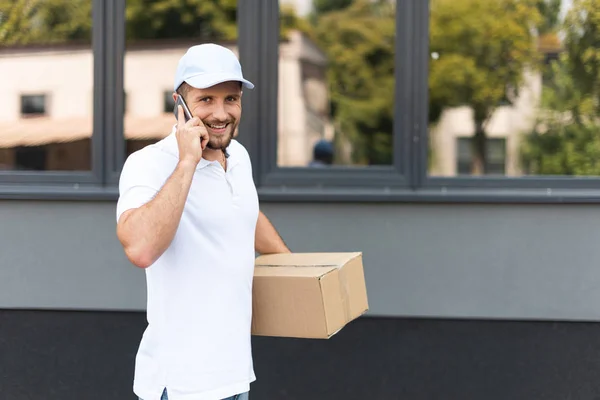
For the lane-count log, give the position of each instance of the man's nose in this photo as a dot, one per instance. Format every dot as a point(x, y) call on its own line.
point(219, 112)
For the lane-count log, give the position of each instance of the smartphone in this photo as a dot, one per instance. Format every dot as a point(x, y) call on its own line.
point(186, 111)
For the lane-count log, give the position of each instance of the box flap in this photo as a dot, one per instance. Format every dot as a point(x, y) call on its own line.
point(292, 271)
point(306, 259)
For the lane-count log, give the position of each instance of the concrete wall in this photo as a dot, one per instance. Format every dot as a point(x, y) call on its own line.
point(493, 261)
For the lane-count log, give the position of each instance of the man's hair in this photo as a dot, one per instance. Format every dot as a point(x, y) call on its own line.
point(184, 89)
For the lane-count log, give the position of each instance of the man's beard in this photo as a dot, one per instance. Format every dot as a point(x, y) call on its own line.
point(221, 146)
point(222, 141)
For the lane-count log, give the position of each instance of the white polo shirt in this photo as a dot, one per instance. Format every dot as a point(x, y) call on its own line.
point(199, 305)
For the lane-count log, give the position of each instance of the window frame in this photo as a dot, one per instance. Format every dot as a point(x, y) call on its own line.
point(115, 89)
point(258, 39)
point(533, 188)
point(258, 32)
point(44, 184)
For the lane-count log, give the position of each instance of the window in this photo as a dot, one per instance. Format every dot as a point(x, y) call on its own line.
point(33, 105)
point(168, 101)
point(466, 69)
point(329, 88)
point(156, 37)
point(336, 84)
point(498, 70)
point(471, 83)
point(47, 118)
point(495, 158)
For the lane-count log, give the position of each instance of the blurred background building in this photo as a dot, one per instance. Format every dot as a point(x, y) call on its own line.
point(47, 119)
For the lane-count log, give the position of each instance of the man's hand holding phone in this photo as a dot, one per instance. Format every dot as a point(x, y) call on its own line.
point(192, 138)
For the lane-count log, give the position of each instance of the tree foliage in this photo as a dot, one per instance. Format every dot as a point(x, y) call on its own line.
point(566, 141)
point(175, 19)
point(358, 40)
point(582, 45)
point(481, 50)
point(56, 21)
point(25, 22)
point(324, 6)
point(549, 12)
point(290, 20)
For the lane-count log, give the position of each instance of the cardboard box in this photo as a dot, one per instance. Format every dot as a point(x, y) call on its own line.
point(307, 295)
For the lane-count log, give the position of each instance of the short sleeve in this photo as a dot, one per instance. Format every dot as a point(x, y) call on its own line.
point(138, 184)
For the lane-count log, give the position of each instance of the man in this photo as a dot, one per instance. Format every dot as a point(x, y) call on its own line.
point(188, 213)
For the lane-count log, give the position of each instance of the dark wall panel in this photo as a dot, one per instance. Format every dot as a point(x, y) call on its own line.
point(55, 355)
point(67, 355)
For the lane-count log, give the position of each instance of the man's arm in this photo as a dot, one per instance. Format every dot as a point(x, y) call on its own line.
point(146, 232)
point(267, 240)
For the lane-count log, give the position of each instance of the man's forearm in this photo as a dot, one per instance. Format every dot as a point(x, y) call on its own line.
point(267, 239)
point(147, 232)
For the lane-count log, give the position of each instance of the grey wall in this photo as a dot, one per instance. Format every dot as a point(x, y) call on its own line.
point(439, 260)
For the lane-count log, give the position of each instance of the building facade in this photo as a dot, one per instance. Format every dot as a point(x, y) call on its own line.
point(479, 287)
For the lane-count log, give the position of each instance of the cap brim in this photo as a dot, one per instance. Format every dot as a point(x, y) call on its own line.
point(205, 81)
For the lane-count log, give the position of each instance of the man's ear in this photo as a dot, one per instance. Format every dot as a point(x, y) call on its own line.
point(174, 96)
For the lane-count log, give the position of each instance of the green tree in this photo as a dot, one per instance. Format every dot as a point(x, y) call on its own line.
point(550, 12)
point(481, 50)
point(55, 21)
point(174, 19)
point(582, 46)
point(290, 20)
point(566, 140)
point(359, 43)
point(44, 21)
point(324, 6)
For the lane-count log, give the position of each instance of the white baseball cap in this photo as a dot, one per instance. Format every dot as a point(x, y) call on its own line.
point(209, 64)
